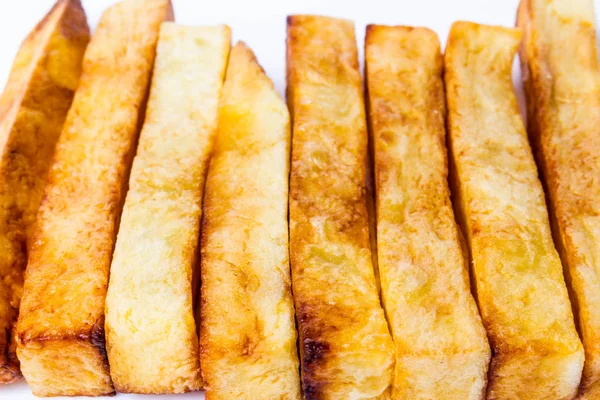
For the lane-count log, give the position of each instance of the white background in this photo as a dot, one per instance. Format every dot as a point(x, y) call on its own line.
point(261, 24)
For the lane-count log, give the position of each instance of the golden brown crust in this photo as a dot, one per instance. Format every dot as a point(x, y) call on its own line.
point(33, 107)
point(441, 345)
point(591, 392)
point(520, 287)
point(248, 336)
point(345, 345)
point(60, 331)
point(149, 305)
point(561, 70)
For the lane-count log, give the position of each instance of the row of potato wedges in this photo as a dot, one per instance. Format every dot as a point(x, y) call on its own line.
point(103, 255)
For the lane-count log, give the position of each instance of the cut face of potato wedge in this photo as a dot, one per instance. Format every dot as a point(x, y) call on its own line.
point(248, 335)
point(517, 272)
point(441, 346)
point(33, 107)
point(345, 345)
point(60, 331)
point(561, 73)
point(150, 304)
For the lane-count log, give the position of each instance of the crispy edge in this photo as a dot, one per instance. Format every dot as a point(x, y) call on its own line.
point(314, 349)
point(499, 369)
point(28, 52)
point(147, 157)
point(43, 354)
point(61, 35)
point(242, 66)
point(379, 119)
point(591, 392)
point(542, 121)
point(23, 63)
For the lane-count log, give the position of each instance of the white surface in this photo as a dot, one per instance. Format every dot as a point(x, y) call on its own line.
point(261, 24)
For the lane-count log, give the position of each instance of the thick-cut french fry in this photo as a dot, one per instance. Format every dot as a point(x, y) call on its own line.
point(60, 331)
point(345, 345)
point(33, 107)
point(247, 335)
point(561, 73)
point(149, 304)
point(517, 272)
point(441, 346)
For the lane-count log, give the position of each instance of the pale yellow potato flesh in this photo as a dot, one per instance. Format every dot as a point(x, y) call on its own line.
point(33, 107)
point(441, 346)
point(561, 73)
point(248, 334)
point(60, 331)
point(150, 304)
point(517, 272)
point(345, 345)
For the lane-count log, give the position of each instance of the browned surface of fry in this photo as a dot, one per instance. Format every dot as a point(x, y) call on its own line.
point(33, 107)
point(60, 331)
point(345, 345)
point(517, 272)
point(561, 72)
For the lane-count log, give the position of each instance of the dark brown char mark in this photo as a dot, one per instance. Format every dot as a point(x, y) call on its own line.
point(313, 354)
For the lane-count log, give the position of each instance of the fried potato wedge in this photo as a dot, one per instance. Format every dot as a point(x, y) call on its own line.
point(518, 276)
point(248, 334)
point(561, 73)
point(150, 304)
point(345, 345)
point(60, 331)
point(441, 346)
point(33, 107)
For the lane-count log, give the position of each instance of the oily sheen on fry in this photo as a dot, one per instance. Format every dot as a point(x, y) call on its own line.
point(150, 304)
point(33, 107)
point(345, 345)
point(60, 331)
point(441, 346)
point(518, 276)
point(561, 73)
point(248, 334)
